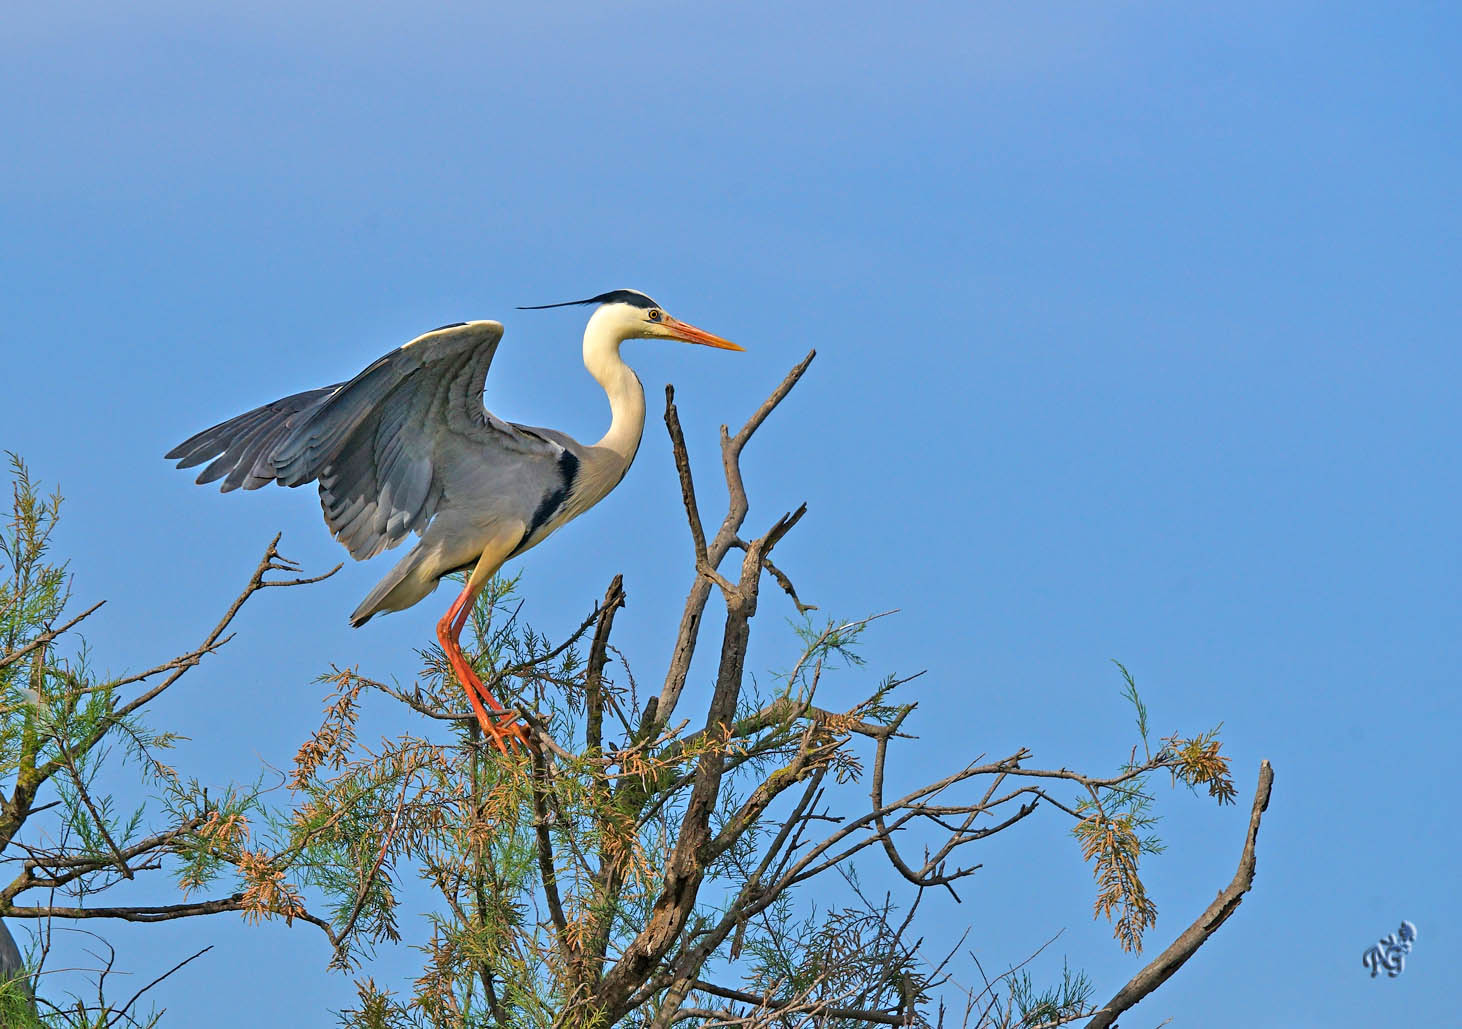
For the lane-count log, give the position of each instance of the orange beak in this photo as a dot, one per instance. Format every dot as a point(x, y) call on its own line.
point(690, 334)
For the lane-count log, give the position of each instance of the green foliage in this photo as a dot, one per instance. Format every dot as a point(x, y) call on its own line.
point(1117, 819)
point(89, 801)
point(833, 643)
point(1034, 1008)
point(466, 818)
point(17, 1011)
point(32, 594)
point(32, 589)
point(500, 950)
point(548, 867)
point(1130, 694)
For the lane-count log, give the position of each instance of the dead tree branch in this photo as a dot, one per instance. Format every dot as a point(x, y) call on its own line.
point(715, 550)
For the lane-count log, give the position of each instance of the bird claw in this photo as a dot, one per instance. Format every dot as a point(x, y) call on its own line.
point(507, 732)
point(500, 725)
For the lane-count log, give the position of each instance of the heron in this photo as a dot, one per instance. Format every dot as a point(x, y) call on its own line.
point(407, 447)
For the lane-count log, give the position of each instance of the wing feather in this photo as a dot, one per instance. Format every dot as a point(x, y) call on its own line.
point(246, 437)
point(375, 443)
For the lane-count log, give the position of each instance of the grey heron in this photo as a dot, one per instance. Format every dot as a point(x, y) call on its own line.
point(406, 446)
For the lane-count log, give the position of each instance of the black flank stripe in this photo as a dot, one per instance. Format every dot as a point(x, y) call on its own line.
point(568, 467)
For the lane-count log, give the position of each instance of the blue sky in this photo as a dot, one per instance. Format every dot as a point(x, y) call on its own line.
point(1137, 329)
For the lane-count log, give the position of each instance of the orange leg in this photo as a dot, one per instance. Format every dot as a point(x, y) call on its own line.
point(500, 726)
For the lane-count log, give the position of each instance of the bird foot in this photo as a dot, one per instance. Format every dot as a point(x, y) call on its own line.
point(506, 734)
point(499, 725)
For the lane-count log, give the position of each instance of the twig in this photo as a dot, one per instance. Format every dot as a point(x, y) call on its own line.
point(133, 999)
point(614, 599)
point(787, 586)
point(687, 482)
point(47, 637)
point(792, 1005)
point(370, 879)
point(79, 865)
point(96, 817)
point(270, 562)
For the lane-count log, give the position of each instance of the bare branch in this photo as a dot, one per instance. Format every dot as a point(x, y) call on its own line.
point(154, 913)
point(658, 711)
point(1162, 967)
point(614, 599)
point(270, 562)
point(787, 586)
point(687, 483)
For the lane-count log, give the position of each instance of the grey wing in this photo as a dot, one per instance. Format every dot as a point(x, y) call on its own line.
point(377, 445)
point(242, 448)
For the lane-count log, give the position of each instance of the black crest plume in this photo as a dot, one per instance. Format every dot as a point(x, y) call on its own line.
point(618, 296)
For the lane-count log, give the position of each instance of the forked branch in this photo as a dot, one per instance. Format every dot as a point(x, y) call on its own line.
point(659, 710)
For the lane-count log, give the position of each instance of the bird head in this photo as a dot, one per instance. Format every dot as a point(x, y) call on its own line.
point(630, 314)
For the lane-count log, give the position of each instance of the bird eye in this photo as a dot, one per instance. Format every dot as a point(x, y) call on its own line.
point(654, 315)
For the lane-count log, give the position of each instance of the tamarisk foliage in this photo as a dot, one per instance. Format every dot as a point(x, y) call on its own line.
point(648, 861)
point(69, 738)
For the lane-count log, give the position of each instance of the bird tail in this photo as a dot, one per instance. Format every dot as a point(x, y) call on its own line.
point(403, 586)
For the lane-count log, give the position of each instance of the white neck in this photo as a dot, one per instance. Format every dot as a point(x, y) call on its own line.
point(616, 450)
